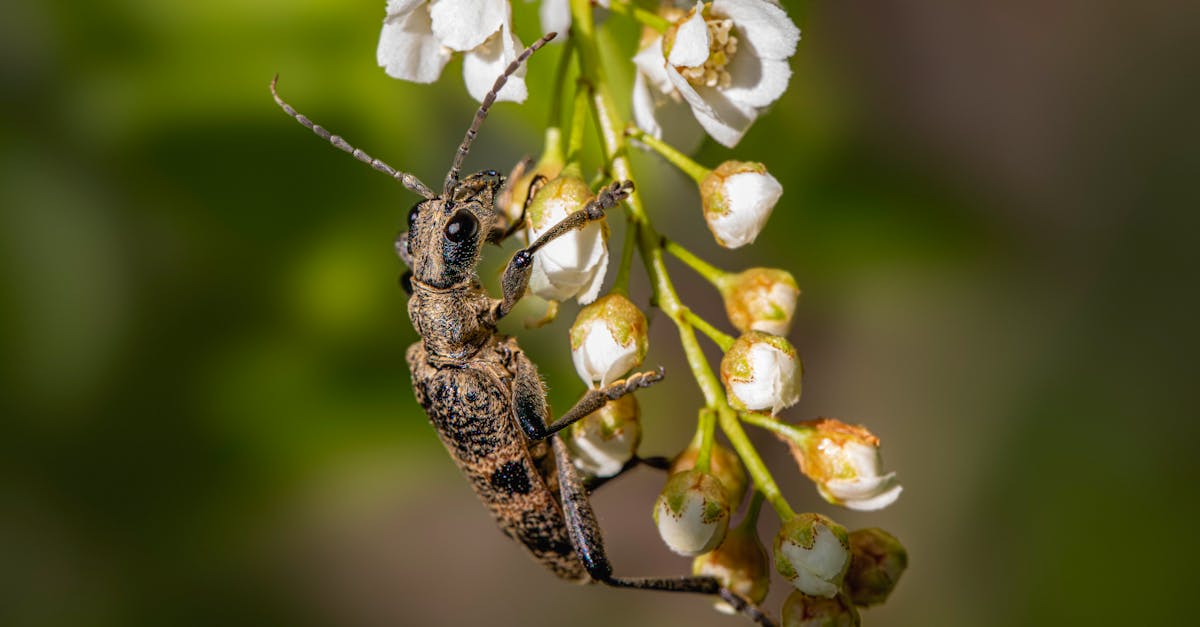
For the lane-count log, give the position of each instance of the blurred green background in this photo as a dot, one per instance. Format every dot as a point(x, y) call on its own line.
point(207, 419)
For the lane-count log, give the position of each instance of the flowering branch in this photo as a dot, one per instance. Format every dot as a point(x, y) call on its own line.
point(711, 66)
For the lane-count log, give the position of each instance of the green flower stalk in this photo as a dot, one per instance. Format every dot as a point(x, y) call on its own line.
point(740, 563)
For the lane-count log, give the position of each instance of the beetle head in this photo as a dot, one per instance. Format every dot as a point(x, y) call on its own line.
point(445, 235)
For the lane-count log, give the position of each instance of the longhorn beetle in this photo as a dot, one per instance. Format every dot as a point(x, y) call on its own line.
point(480, 391)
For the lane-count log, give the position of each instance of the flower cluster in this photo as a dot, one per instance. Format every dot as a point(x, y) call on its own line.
point(716, 67)
point(419, 37)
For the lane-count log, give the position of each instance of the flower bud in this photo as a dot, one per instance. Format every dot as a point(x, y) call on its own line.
point(813, 553)
point(877, 559)
point(572, 265)
point(723, 464)
point(515, 192)
point(760, 299)
point(738, 197)
point(740, 564)
point(692, 513)
point(761, 372)
point(802, 610)
point(844, 462)
point(602, 442)
point(608, 339)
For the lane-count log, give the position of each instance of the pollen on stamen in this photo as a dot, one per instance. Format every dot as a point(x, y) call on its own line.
point(722, 44)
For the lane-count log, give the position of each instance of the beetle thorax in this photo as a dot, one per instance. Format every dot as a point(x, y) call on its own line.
point(451, 321)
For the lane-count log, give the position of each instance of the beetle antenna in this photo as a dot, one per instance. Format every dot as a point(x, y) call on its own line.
point(481, 114)
point(407, 180)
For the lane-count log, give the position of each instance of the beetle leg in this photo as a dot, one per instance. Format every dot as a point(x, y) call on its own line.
point(529, 399)
point(516, 274)
point(585, 535)
point(658, 463)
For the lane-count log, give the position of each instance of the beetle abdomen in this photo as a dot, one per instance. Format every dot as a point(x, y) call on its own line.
point(472, 413)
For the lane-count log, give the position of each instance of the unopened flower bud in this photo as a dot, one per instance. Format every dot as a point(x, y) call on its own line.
point(740, 564)
point(845, 463)
point(572, 265)
point(738, 197)
point(760, 299)
point(517, 189)
point(813, 553)
point(723, 464)
point(603, 441)
point(692, 513)
point(802, 610)
point(608, 339)
point(877, 559)
point(761, 372)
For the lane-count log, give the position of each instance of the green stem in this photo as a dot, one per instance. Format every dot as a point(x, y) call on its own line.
point(795, 433)
point(621, 283)
point(579, 110)
point(560, 81)
point(750, 520)
point(715, 275)
point(754, 463)
point(678, 159)
point(665, 297)
point(644, 17)
point(724, 340)
point(705, 430)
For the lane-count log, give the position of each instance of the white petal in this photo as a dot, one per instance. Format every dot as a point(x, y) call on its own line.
point(407, 48)
point(464, 24)
point(882, 492)
point(691, 41)
point(600, 358)
point(764, 26)
point(483, 65)
point(724, 120)
point(555, 16)
point(651, 62)
point(773, 383)
point(643, 107)
point(591, 289)
point(750, 198)
point(817, 566)
point(687, 533)
point(756, 82)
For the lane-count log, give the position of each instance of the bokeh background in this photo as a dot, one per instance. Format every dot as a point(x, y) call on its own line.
point(207, 419)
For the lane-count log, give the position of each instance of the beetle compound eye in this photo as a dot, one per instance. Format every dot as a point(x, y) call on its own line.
point(462, 227)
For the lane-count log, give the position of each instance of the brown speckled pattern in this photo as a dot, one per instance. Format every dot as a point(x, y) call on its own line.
point(470, 405)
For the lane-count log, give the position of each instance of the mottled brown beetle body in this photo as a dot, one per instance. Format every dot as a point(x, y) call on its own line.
point(471, 409)
point(480, 391)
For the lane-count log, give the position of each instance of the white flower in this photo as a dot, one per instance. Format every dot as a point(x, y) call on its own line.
point(813, 553)
point(608, 339)
point(692, 513)
point(761, 372)
point(574, 264)
point(738, 197)
point(727, 60)
point(760, 299)
point(845, 463)
point(419, 36)
point(603, 441)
